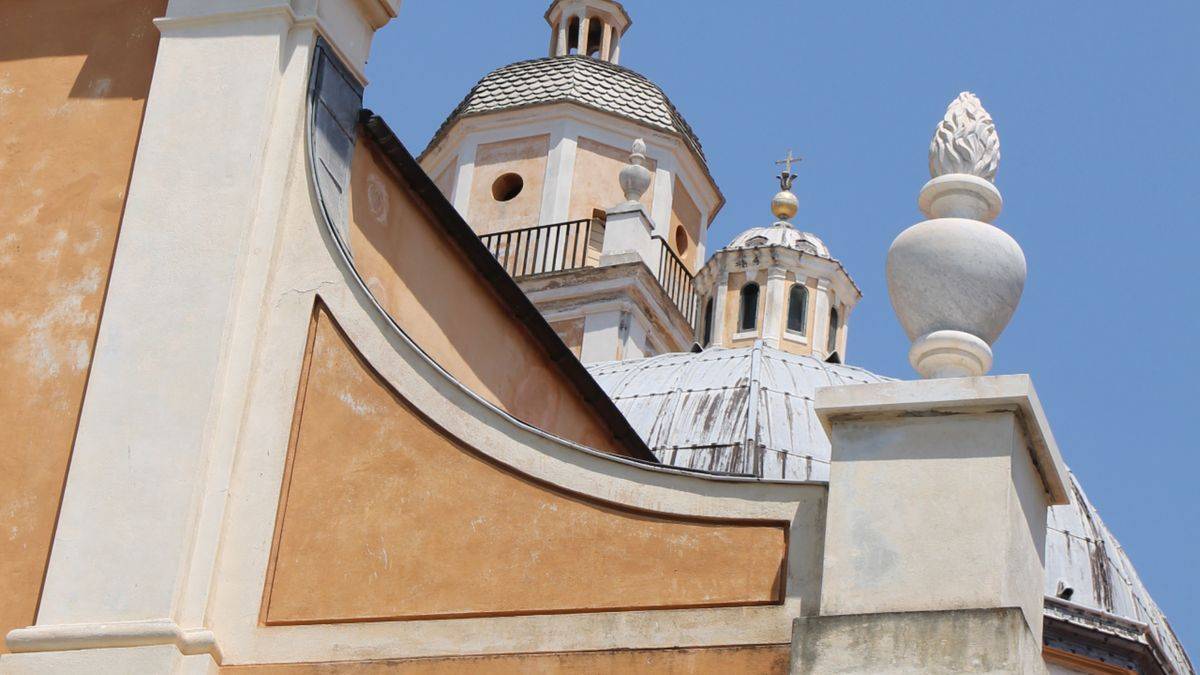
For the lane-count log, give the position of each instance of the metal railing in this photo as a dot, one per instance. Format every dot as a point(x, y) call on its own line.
point(545, 248)
point(677, 281)
point(577, 243)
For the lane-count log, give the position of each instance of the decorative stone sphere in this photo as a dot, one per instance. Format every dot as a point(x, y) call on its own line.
point(785, 205)
point(954, 282)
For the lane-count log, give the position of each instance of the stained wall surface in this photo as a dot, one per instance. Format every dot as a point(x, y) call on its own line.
point(685, 219)
point(73, 83)
point(377, 523)
point(429, 288)
point(757, 659)
point(571, 333)
point(525, 157)
point(596, 183)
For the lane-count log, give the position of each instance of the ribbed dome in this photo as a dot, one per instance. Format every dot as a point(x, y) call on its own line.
point(780, 235)
point(750, 411)
point(578, 79)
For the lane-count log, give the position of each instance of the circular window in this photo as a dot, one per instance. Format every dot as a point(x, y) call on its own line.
point(507, 187)
point(681, 240)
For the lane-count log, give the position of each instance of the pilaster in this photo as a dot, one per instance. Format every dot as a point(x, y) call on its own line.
point(774, 306)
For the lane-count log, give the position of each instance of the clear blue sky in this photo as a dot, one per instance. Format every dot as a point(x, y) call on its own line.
point(1096, 104)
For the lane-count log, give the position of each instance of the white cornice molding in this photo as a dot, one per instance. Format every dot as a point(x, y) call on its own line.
point(661, 143)
point(375, 13)
point(118, 634)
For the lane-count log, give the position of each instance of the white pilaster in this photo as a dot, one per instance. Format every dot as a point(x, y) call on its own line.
point(720, 294)
point(560, 174)
point(820, 320)
point(133, 555)
point(616, 48)
point(664, 190)
point(773, 307)
point(460, 196)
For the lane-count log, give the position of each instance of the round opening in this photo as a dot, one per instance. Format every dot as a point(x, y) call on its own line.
point(681, 241)
point(507, 187)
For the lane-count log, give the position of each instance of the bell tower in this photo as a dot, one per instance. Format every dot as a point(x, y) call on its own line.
point(587, 28)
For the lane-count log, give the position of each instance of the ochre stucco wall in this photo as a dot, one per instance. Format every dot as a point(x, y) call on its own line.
point(751, 659)
point(428, 286)
point(788, 341)
point(385, 516)
point(525, 157)
point(685, 215)
point(596, 184)
point(571, 333)
point(73, 82)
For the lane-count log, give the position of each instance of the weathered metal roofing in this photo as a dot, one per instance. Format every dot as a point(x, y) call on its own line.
point(577, 79)
point(734, 410)
point(750, 411)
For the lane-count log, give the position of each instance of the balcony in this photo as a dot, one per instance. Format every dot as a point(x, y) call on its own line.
point(576, 244)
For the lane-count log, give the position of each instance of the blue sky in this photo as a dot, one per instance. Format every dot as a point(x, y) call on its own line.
point(1096, 106)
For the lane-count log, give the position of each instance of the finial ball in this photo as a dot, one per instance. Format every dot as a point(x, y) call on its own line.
point(785, 205)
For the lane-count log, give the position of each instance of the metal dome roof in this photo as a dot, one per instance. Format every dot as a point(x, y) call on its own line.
point(780, 234)
point(750, 411)
point(577, 79)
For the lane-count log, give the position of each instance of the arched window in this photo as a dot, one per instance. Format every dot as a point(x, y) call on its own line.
point(749, 308)
point(833, 331)
point(797, 316)
point(706, 338)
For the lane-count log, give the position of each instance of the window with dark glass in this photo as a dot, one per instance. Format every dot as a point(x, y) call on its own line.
point(797, 316)
point(706, 338)
point(833, 330)
point(749, 312)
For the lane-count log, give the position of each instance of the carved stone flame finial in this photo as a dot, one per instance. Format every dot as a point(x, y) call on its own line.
point(965, 141)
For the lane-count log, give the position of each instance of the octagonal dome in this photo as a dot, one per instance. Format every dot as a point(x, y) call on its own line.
point(585, 81)
point(780, 234)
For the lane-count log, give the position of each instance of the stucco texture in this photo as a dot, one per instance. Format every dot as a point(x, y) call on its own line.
point(596, 181)
point(525, 157)
point(386, 516)
point(757, 659)
point(73, 83)
point(429, 288)
point(685, 220)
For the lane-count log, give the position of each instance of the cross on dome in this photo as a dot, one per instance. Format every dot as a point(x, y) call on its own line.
point(787, 177)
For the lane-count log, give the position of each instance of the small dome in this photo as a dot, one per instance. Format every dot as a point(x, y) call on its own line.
point(780, 235)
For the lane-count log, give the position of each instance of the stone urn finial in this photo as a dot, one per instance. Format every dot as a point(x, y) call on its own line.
point(635, 177)
point(955, 280)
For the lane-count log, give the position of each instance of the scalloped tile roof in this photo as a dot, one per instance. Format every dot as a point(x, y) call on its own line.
point(578, 79)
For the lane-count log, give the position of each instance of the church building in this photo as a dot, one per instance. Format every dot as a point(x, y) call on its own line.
point(285, 398)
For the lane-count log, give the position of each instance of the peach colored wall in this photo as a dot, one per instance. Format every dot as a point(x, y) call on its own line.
point(595, 184)
point(571, 333)
point(427, 285)
point(525, 157)
point(790, 345)
point(685, 215)
point(385, 516)
point(755, 659)
point(73, 83)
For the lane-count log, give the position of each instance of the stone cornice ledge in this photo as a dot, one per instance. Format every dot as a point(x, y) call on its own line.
point(953, 396)
point(76, 636)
